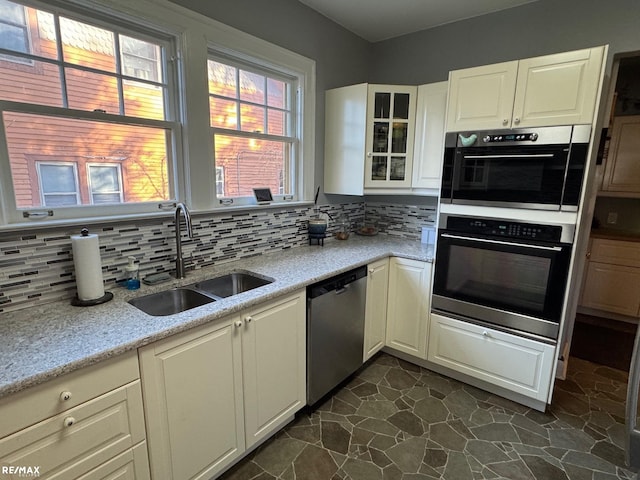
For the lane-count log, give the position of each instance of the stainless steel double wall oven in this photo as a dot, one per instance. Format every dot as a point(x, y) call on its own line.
point(509, 272)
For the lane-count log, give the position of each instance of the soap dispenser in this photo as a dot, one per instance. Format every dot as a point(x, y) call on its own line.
point(133, 277)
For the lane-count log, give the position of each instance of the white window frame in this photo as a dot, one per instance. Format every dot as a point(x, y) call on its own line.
point(16, 57)
point(192, 173)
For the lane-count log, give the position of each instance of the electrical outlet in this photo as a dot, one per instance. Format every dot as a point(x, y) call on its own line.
point(612, 217)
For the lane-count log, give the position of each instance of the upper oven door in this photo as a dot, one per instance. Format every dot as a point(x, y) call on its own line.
point(530, 176)
point(524, 278)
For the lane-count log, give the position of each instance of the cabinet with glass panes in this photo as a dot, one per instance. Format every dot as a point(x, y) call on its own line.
point(389, 137)
point(369, 136)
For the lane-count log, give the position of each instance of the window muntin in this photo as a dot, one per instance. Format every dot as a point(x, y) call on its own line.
point(251, 115)
point(58, 183)
point(48, 111)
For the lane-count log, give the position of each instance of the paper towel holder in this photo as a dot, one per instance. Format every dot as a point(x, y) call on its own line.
point(76, 302)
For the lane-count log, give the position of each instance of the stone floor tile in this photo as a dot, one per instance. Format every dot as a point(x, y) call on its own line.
point(408, 455)
point(274, 457)
point(407, 422)
point(447, 437)
point(457, 468)
point(513, 470)
point(431, 410)
point(359, 470)
point(397, 421)
point(314, 463)
point(503, 432)
point(335, 437)
point(542, 469)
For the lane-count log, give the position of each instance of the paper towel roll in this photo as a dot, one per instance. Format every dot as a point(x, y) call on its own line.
point(86, 259)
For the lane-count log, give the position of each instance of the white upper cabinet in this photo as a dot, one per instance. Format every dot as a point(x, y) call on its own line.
point(428, 148)
point(559, 89)
point(369, 136)
point(481, 97)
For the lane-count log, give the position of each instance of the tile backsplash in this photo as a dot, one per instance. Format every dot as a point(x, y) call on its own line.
point(37, 267)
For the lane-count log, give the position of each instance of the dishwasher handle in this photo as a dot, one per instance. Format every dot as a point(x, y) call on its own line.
point(337, 284)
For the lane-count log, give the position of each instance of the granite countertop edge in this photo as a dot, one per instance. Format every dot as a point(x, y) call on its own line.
point(44, 342)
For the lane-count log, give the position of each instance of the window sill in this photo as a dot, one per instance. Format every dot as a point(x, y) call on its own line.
point(141, 217)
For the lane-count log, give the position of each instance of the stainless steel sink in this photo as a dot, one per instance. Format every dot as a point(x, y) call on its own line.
point(171, 301)
point(231, 284)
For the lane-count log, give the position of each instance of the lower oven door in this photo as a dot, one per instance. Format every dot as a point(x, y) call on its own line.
point(515, 285)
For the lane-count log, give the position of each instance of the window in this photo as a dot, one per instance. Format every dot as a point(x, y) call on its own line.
point(252, 121)
point(14, 31)
point(113, 88)
point(220, 181)
point(105, 184)
point(99, 92)
point(58, 183)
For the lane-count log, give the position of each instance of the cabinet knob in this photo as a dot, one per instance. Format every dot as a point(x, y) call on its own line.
point(485, 333)
point(68, 421)
point(371, 271)
point(65, 396)
point(248, 319)
point(369, 154)
point(505, 121)
point(516, 120)
point(588, 255)
point(238, 323)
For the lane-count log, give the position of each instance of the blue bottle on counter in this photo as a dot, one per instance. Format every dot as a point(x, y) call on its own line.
point(133, 275)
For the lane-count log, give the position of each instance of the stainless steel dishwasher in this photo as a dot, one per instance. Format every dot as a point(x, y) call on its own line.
point(335, 331)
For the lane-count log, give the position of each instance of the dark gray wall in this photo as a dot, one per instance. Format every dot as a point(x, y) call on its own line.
point(538, 28)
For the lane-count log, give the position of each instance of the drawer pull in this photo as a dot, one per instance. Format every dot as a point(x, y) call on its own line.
point(238, 323)
point(65, 396)
point(248, 320)
point(68, 421)
point(485, 333)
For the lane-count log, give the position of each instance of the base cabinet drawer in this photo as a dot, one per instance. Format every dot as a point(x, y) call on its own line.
point(80, 439)
point(130, 465)
point(517, 364)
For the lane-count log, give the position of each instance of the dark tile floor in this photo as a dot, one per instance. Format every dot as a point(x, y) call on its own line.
point(397, 421)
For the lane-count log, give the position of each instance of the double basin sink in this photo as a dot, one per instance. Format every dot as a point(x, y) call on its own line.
point(178, 300)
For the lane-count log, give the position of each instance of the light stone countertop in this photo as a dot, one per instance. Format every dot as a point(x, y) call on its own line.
point(44, 342)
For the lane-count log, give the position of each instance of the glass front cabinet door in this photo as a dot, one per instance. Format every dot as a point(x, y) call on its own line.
point(390, 134)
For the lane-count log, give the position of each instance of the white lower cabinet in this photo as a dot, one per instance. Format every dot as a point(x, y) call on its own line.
point(517, 364)
point(214, 391)
point(274, 344)
point(375, 321)
point(86, 424)
point(408, 306)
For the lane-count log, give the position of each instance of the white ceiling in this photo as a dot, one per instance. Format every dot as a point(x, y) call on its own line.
point(377, 20)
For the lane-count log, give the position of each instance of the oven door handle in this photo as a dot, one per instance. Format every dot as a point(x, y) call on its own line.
point(501, 242)
point(515, 155)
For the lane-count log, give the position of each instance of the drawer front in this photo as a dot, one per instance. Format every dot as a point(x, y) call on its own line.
point(515, 363)
point(55, 396)
point(616, 252)
point(130, 465)
point(72, 443)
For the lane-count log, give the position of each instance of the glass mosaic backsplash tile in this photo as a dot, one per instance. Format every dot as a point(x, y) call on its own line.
point(37, 267)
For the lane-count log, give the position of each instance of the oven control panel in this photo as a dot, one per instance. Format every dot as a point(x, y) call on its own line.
point(504, 228)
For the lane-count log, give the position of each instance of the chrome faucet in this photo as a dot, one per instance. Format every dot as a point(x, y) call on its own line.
point(187, 219)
